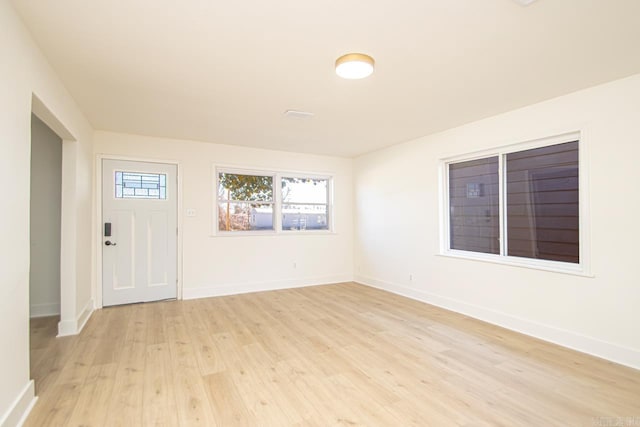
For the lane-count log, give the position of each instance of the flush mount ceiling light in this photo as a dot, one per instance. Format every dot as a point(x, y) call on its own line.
point(354, 66)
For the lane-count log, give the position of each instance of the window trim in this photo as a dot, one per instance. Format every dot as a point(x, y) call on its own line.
point(582, 268)
point(277, 201)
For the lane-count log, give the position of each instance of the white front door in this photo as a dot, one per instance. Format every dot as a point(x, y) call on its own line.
point(139, 231)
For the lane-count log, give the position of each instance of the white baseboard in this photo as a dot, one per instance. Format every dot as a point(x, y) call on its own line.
point(44, 310)
point(21, 407)
point(243, 288)
point(575, 341)
point(74, 327)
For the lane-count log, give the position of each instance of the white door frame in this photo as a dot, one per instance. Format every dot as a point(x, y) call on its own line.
point(97, 291)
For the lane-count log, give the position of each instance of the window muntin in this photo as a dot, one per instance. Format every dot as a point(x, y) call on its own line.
point(538, 220)
point(140, 185)
point(305, 203)
point(245, 202)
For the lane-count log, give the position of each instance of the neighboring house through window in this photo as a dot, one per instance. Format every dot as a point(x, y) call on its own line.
point(245, 202)
point(305, 203)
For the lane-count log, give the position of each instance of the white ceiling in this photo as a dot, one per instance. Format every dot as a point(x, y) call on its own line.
point(226, 71)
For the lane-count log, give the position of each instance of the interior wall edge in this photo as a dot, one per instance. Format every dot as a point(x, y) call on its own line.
point(74, 327)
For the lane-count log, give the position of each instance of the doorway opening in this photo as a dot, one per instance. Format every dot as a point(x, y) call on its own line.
point(45, 241)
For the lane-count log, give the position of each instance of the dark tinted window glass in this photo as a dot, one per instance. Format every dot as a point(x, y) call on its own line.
point(474, 206)
point(542, 203)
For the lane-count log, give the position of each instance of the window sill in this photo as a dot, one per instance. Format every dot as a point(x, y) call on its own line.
point(306, 232)
point(273, 233)
point(535, 264)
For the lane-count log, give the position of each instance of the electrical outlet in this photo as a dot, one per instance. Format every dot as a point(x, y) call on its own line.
point(191, 212)
point(411, 277)
point(295, 264)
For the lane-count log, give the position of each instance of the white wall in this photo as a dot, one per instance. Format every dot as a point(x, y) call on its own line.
point(25, 72)
point(46, 189)
point(234, 264)
point(397, 226)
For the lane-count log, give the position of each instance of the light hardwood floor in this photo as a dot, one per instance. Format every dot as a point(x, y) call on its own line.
point(320, 356)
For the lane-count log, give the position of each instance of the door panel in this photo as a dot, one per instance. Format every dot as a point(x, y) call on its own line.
point(124, 262)
point(139, 259)
point(157, 243)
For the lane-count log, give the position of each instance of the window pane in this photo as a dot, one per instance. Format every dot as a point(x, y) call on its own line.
point(474, 206)
point(304, 217)
point(304, 190)
point(234, 216)
point(250, 188)
point(138, 185)
point(542, 203)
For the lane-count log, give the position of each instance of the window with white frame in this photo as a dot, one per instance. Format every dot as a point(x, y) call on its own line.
point(305, 203)
point(245, 202)
point(518, 203)
point(248, 202)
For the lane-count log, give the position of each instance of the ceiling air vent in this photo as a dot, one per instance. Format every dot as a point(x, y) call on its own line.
point(524, 2)
point(293, 114)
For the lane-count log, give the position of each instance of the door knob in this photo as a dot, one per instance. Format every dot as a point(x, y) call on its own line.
point(110, 243)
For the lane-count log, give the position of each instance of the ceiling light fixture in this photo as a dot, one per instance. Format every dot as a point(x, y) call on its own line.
point(354, 66)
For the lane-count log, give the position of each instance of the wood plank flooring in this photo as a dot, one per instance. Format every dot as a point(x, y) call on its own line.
point(335, 355)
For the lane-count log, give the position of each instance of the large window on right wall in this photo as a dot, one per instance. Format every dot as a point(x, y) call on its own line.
point(519, 204)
